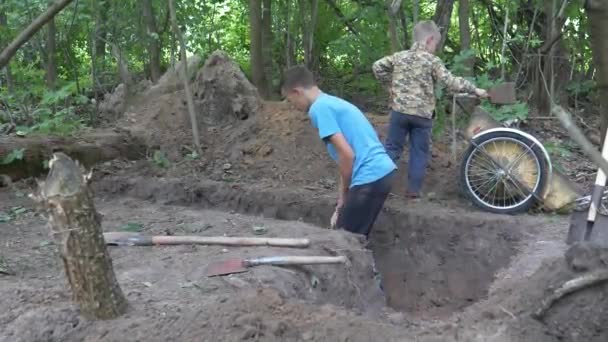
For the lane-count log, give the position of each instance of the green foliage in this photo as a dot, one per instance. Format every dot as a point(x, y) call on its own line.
point(343, 58)
point(12, 214)
point(558, 149)
point(160, 159)
point(580, 88)
point(502, 113)
point(134, 227)
point(14, 155)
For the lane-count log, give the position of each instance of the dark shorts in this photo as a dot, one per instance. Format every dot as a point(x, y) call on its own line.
point(363, 204)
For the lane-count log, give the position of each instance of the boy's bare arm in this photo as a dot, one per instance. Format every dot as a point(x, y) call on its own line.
point(383, 69)
point(454, 84)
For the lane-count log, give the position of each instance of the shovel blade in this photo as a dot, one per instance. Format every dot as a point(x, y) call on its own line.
point(503, 93)
point(226, 267)
point(599, 233)
point(579, 226)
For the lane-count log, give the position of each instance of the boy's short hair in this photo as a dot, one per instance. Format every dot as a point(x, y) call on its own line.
point(424, 29)
point(297, 76)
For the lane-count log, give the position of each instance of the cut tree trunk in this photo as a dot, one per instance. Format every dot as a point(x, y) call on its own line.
point(26, 34)
point(598, 24)
point(76, 227)
point(95, 147)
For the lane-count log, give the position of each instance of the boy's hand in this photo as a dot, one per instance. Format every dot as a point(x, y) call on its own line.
point(481, 93)
point(336, 215)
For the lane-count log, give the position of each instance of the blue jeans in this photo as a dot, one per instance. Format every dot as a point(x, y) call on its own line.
point(419, 131)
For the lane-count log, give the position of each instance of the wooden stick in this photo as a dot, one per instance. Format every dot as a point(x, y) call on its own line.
point(579, 137)
point(134, 239)
point(296, 260)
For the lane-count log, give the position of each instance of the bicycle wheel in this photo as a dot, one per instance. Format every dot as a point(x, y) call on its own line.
point(503, 172)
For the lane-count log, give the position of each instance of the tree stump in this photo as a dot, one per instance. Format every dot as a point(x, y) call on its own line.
point(76, 227)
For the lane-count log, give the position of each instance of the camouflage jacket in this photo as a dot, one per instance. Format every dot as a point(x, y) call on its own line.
point(411, 75)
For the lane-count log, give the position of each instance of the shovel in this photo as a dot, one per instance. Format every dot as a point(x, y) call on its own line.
point(135, 239)
point(503, 93)
point(591, 226)
point(239, 265)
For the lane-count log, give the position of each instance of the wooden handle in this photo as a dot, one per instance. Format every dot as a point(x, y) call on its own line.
point(598, 187)
point(230, 241)
point(295, 260)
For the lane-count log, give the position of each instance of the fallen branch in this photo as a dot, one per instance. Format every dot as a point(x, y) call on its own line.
point(569, 287)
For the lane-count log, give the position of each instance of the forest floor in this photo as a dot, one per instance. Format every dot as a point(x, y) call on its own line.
point(449, 271)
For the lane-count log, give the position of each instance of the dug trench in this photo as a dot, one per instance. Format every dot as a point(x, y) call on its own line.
point(434, 261)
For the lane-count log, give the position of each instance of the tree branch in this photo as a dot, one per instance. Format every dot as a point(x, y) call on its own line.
point(347, 22)
point(34, 27)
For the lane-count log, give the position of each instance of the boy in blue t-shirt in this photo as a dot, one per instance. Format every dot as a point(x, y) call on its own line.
point(366, 170)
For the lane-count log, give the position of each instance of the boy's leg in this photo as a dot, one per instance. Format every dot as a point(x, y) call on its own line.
point(420, 135)
point(397, 132)
point(363, 204)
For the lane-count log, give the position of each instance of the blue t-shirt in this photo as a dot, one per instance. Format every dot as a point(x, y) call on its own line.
point(331, 115)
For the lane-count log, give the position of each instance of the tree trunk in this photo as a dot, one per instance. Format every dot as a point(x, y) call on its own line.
point(123, 70)
point(76, 226)
point(255, 48)
point(310, 41)
point(3, 26)
point(101, 31)
point(403, 19)
point(546, 81)
point(51, 52)
point(153, 39)
point(34, 27)
point(597, 11)
point(184, 69)
point(267, 44)
point(289, 45)
point(392, 27)
point(415, 11)
point(465, 34)
point(443, 13)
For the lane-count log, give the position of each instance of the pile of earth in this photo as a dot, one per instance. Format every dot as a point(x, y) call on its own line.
point(246, 138)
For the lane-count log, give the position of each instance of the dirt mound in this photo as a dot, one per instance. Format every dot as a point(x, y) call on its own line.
point(223, 93)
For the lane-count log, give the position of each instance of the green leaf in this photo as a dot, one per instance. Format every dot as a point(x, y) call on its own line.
point(4, 217)
point(14, 155)
point(132, 227)
point(160, 159)
point(18, 210)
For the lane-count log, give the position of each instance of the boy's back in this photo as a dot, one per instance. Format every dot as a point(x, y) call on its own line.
point(411, 75)
point(330, 115)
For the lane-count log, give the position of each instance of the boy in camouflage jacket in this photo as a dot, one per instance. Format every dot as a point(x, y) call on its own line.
point(411, 76)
